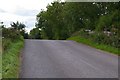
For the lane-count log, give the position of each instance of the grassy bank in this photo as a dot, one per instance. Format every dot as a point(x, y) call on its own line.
point(10, 60)
point(93, 44)
point(0, 65)
point(0, 57)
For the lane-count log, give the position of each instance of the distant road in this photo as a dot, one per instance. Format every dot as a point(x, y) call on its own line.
point(66, 59)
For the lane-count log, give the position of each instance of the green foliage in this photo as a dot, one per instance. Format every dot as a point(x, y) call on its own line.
point(35, 33)
point(5, 44)
point(50, 22)
point(61, 20)
point(10, 60)
point(109, 21)
point(12, 42)
point(99, 37)
point(20, 28)
point(10, 33)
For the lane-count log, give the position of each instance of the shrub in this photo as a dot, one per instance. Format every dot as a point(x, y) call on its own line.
point(98, 37)
point(102, 38)
point(10, 33)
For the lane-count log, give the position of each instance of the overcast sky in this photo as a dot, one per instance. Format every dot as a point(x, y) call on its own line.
point(24, 11)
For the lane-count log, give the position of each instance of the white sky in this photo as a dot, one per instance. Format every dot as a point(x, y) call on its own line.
point(24, 11)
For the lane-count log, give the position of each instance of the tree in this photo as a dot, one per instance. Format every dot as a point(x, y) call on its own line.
point(61, 20)
point(18, 26)
point(35, 33)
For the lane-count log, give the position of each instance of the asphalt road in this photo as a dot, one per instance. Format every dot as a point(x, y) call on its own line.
point(66, 59)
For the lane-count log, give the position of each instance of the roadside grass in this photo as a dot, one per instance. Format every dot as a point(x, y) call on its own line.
point(0, 65)
point(10, 60)
point(0, 57)
point(93, 44)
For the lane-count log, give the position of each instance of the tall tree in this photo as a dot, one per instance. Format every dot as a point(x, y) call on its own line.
point(61, 20)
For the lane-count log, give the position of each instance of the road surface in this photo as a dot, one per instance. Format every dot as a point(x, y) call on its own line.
point(66, 59)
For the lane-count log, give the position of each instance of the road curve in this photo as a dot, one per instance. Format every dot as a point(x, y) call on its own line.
point(66, 59)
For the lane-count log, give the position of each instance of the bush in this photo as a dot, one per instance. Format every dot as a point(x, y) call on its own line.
point(10, 33)
point(98, 37)
point(101, 38)
point(84, 33)
point(115, 41)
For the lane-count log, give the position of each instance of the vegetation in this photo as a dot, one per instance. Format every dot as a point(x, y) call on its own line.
point(61, 20)
point(12, 34)
point(11, 62)
point(35, 34)
point(0, 51)
point(12, 42)
point(0, 57)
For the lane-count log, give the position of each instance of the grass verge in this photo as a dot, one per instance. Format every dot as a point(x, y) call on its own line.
point(0, 58)
point(93, 44)
point(10, 60)
point(0, 65)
